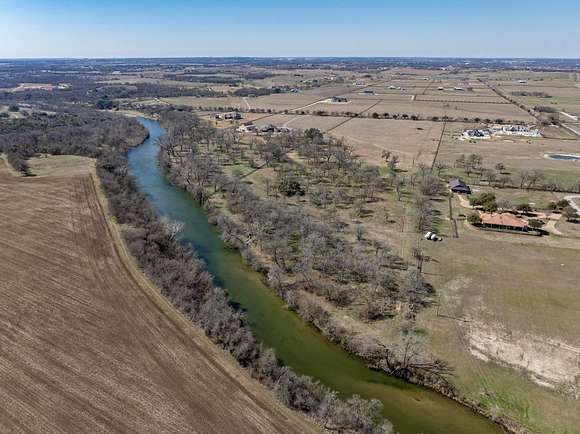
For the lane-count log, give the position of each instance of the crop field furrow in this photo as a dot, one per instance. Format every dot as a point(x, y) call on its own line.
point(86, 345)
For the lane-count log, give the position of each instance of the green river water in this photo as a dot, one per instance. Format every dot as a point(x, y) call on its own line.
point(410, 408)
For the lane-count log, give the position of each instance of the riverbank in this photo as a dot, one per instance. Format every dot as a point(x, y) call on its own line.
point(339, 332)
point(268, 329)
point(184, 279)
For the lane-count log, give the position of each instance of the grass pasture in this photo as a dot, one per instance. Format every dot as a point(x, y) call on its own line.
point(499, 310)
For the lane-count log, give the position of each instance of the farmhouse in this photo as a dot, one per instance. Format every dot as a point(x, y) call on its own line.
point(503, 221)
point(459, 186)
point(339, 99)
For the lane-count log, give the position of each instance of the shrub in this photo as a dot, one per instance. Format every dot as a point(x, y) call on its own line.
point(474, 218)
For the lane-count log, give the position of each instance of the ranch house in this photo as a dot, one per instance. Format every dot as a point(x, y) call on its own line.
point(503, 221)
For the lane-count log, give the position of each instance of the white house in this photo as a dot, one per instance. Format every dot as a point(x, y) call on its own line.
point(515, 130)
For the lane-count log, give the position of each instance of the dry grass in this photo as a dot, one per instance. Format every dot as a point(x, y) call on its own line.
point(87, 345)
point(61, 165)
point(513, 152)
point(411, 141)
point(501, 310)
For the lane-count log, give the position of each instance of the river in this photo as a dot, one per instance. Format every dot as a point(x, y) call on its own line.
point(410, 408)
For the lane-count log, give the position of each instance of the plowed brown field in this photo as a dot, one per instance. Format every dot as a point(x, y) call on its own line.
point(87, 345)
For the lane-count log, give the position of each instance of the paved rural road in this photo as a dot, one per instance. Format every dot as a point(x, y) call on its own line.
point(88, 345)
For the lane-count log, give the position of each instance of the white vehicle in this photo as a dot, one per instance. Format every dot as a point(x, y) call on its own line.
point(432, 236)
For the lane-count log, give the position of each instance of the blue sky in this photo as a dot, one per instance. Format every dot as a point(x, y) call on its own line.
point(147, 28)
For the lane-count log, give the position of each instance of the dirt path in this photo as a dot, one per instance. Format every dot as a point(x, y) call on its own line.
point(88, 345)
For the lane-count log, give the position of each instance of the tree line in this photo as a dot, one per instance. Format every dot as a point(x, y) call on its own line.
point(176, 269)
point(296, 249)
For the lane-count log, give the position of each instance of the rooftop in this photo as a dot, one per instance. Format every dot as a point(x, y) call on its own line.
point(503, 219)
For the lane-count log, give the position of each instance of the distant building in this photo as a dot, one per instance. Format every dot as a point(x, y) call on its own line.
point(503, 221)
point(267, 129)
point(247, 128)
point(233, 115)
point(339, 99)
point(459, 186)
point(477, 134)
point(515, 130)
point(228, 116)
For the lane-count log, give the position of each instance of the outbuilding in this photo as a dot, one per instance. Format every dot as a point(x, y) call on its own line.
point(459, 186)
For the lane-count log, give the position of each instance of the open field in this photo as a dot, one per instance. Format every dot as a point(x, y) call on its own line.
point(500, 309)
point(130, 79)
point(514, 152)
point(61, 165)
point(425, 107)
point(88, 345)
point(410, 141)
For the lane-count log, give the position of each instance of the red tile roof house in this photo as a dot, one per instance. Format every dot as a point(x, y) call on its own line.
point(504, 221)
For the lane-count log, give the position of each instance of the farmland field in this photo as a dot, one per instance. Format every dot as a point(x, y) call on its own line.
point(88, 345)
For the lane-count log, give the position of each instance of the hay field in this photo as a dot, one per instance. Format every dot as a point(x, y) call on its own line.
point(427, 109)
point(323, 123)
point(87, 345)
point(409, 140)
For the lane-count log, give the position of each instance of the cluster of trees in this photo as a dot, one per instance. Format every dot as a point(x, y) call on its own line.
point(183, 279)
point(257, 91)
point(531, 93)
point(86, 89)
point(69, 131)
point(176, 269)
point(486, 201)
point(298, 250)
point(306, 252)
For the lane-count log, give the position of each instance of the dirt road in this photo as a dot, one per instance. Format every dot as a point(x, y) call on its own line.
point(87, 345)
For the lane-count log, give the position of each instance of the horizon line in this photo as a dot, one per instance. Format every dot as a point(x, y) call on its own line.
point(285, 57)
